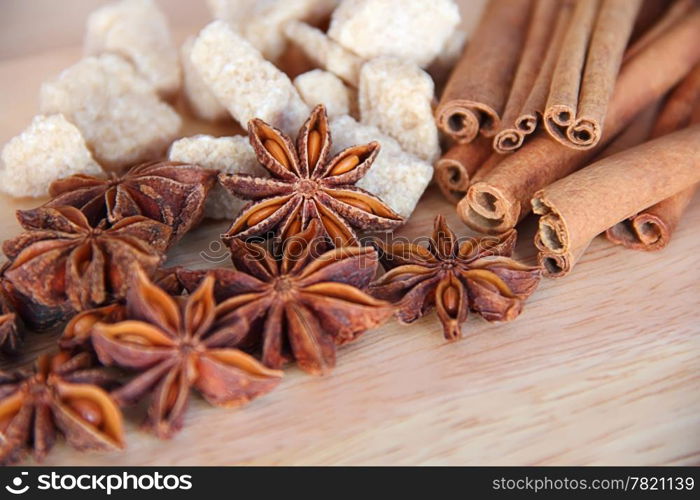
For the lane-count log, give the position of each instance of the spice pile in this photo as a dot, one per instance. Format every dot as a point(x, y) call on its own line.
point(335, 157)
point(523, 123)
point(94, 254)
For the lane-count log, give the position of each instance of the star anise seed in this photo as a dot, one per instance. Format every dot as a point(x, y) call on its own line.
point(304, 184)
point(176, 344)
point(454, 276)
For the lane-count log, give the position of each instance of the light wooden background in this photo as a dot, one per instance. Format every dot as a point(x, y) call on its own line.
point(603, 367)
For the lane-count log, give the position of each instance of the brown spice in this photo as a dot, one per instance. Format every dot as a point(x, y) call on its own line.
point(501, 198)
point(169, 192)
point(477, 90)
point(585, 74)
point(652, 228)
point(79, 265)
point(304, 304)
point(454, 276)
point(520, 113)
point(63, 394)
point(454, 171)
point(305, 184)
point(576, 208)
point(175, 344)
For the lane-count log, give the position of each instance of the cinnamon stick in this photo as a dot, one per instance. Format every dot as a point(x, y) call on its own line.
point(533, 108)
point(576, 208)
point(501, 197)
point(453, 172)
point(558, 265)
point(477, 89)
point(544, 15)
point(585, 75)
point(652, 228)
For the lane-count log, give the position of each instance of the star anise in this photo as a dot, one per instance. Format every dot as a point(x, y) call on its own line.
point(61, 259)
point(305, 184)
point(62, 395)
point(303, 304)
point(170, 192)
point(78, 331)
point(175, 344)
point(455, 276)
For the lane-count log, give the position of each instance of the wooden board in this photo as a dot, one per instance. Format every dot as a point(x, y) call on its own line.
point(603, 367)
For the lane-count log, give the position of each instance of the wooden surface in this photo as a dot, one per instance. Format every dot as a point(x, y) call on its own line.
point(603, 367)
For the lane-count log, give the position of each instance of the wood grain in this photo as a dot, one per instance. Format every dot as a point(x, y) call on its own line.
point(601, 368)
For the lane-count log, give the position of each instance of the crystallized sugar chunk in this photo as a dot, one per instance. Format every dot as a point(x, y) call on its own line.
point(117, 111)
point(324, 51)
point(261, 21)
point(245, 83)
point(414, 30)
point(321, 87)
point(231, 155)
point(397, 177)
point(396, 96)
point(138, 31)
point(50, 148)
point(201, 100)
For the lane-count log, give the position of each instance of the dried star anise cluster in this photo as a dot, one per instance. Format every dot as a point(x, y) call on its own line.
point(87, 240)
point(99, 245)
point(93, 256)
point(78, 254)
point(455, 276)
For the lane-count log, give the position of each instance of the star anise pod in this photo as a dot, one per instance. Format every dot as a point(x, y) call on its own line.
point(176, 344)
point(303, 304)
point(62, 395)
point(170, 192)
point(61, 259)
point(304, 184)
point(454, 276)
point(78, 331)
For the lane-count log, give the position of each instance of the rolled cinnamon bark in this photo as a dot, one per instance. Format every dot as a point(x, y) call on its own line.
point(453, 172)
point(558, 265)
point(533, 108)
point(652, 228)
point(539, 33)
point(501, 197)
point(477, 89)
point(585, 75)
point(676, 12)
point(576, 208)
